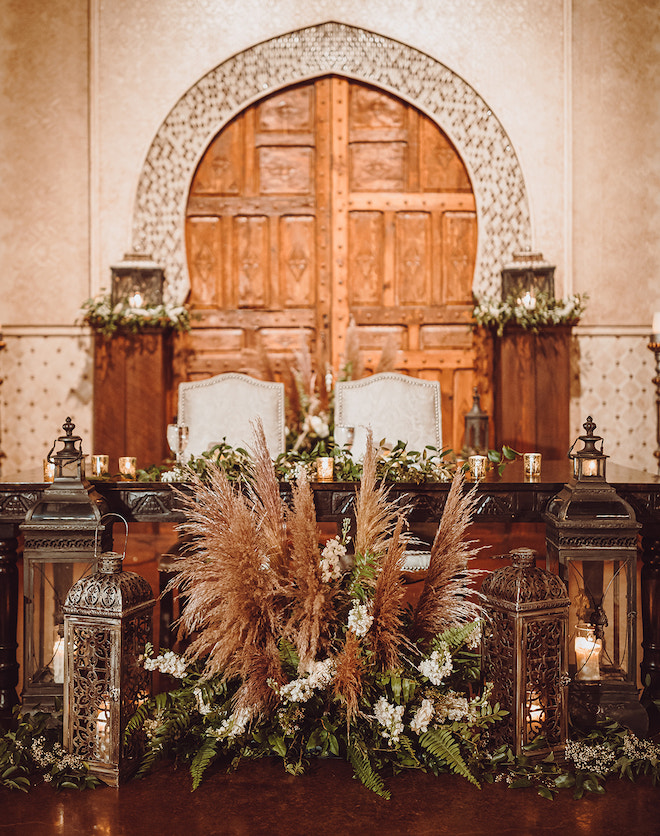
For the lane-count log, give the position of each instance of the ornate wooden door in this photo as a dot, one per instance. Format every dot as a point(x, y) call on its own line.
point(326, 214)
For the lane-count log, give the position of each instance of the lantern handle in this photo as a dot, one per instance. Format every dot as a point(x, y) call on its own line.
point(96, 533)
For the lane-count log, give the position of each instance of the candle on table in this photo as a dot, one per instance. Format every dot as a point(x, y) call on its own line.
point(128, 466)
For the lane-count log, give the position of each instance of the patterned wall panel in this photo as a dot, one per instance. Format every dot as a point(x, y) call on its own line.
point(502, 203)
point(46, 379)
point(616, 389)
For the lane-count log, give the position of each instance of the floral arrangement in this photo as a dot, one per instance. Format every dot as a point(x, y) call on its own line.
point(301, 650)
point(530, 312)
point(104, 318)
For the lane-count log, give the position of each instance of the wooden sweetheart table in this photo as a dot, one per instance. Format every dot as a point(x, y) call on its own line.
point(500, 500)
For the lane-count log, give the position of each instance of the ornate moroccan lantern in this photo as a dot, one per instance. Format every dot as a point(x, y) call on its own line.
point(525, 652)
point(60, 532)
point(591, 540)
point(526, 277)
point(107, 623)
point(137, 282)
point(476, 426)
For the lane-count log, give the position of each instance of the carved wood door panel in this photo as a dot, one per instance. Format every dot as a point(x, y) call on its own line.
point(326, 205)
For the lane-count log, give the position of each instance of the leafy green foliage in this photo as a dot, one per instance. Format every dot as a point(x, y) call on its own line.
point(543, 311)
point(33, 751)
point(442, 744)
point(106, 319)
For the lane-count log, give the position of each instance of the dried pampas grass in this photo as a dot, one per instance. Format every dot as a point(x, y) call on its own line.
point(448, 597)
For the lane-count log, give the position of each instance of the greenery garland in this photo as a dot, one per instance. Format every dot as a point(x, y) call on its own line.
point(107, 319)
point(533, 314)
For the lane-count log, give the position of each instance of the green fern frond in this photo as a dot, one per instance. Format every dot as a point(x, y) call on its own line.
point(442, 745)
point(136, 721)
point(288, 655)
point(203, 757)
point(365, 772)
point(455, 636)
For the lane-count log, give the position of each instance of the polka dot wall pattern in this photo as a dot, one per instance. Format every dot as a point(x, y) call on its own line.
point(46, 379)
point(616, 389)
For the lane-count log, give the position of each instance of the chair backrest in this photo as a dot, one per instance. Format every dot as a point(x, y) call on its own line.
point(395, 406)
point(226, 406)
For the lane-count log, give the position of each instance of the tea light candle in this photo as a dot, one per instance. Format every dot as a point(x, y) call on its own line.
point(532, 465)
point(128, 466)
point(135, 300)
point(325, 469)
point(477, 465)
point(100, 465)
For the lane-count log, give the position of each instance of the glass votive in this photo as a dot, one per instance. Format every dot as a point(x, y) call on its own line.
point(325, 469)
point(49, 471)
point(100, 465)
point(532, 465)
point(128, 466)
point(477, 465)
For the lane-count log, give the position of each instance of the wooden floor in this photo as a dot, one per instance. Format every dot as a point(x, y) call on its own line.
point(263, 799)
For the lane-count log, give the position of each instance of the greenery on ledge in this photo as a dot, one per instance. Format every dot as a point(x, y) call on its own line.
point(531, 313)
point(394, 465)
point(104, 318)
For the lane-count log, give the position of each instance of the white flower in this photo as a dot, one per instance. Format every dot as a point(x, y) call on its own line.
point(453, 706)
point(319, 426)
point(318, 676)
point(233, 726)
point(169, 663)
point(437, 666)
point(391, 718)
point(423, 716)
point(331, 557)
point(359, 619)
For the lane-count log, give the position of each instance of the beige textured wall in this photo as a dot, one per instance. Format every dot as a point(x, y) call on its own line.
point(616, 159)
point(85, 86)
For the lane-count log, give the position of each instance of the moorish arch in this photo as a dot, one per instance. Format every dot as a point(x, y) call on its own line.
point(331, 48)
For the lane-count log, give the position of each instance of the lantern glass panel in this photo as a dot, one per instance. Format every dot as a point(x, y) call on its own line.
point(600, 592)
point(46, 585)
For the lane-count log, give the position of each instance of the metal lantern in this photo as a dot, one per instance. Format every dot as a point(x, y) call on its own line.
point(525, 652)
point(476, 426)
point(591, 540)
point(60, 532)
point(107, 623)
point(137, 282)
point(526, 277)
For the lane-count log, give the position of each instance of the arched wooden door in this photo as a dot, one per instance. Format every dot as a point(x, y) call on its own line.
point(327, 204)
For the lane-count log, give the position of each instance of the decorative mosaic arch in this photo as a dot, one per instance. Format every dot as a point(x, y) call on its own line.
point(331, 48)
